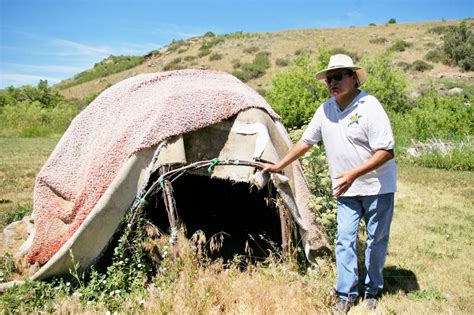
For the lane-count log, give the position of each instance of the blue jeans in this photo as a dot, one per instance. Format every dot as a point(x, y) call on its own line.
point(377, 212)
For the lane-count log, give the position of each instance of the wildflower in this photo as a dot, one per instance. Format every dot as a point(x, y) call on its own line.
point(89, 302)
point(68, 284)
point(139, 265)
point(165, 253)
point(117, 291)
point(141, 302)
point(111, 293)
point(108, 313)
point(129, 225)
point(104, 281)
point(1, 273)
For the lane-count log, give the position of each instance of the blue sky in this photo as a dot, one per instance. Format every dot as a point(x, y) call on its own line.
point(56, 39)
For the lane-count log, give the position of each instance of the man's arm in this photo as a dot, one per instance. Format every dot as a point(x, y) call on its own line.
point(347, 178)
point(296, 151)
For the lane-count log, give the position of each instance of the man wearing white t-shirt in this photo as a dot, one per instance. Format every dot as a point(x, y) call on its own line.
point(359, 144)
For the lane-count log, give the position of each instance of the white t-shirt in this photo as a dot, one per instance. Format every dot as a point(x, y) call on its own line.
point(350, 138)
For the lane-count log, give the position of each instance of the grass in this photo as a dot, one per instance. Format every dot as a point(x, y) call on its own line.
point(428, 269)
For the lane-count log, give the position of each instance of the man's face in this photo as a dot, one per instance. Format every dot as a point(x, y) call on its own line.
point(340, 81)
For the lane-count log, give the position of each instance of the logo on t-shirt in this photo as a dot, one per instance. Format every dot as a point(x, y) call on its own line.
point(354, 119)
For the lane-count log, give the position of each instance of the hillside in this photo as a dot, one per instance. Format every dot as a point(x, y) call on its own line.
point(225, 51)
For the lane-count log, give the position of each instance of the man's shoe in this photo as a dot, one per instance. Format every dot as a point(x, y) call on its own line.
point(371, 301)
point(341, 306)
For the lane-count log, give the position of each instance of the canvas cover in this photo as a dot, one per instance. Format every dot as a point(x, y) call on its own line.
point(108, 153)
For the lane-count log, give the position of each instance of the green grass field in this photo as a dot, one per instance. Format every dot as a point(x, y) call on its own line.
point(428, 270)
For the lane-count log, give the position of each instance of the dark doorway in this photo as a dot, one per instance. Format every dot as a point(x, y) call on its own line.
point(245, 218)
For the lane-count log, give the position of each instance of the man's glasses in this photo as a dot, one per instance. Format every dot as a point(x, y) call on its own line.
point(337, 77)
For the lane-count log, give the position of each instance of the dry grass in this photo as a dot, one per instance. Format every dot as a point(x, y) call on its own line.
point(284, 44)
point(428, 270)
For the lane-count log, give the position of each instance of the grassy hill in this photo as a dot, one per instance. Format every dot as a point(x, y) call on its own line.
point(224, 52)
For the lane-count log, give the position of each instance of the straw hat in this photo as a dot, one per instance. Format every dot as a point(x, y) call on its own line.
point(341, 61)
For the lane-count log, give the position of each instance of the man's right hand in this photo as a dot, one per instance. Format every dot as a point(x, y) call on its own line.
point(270, 168)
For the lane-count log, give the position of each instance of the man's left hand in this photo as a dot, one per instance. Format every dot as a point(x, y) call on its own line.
point(347, 179)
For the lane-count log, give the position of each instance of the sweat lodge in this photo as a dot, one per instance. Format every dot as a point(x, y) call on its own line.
point(197, 136)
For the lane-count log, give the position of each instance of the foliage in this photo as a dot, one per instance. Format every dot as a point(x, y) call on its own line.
point(458, 46)
point(400, 45)
point(108, 66)
point(459, 158)
point(251, 50)
point(439, 29)
point(34, 111)
point(281, 62)
point(208, 43)
point(316, 172)
point(209, 34)
point(256, 69)
point(351, 54)
point(9, 217)
point(386, 82)
point(392, 21)
point(372, 24)
point(435, 55)
point(378, 40)
point(204, 52)
point(215, 56)
point(296, 94)
point(420, 65)
point(174, 64)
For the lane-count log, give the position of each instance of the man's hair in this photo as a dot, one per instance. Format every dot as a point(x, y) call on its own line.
point(350, 72)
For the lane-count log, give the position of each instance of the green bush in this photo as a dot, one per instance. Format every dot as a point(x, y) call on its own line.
point(256, 69)
point(189, 58)
point(440, 29)
point(372, 24)
point(386, 82)
point(215, 56)
point(420, 65)
point(351, 54)
point(378, 40)
point(174, 64)
point(108, 66)
point(435, 55)
point(209, 34)
point(392, 21)
point(400, 45)
point(405, 66)
point(458, 46)
point(296, 94)
point(435, 116)
point(204, 52)
point(208, 43)
point(251, 49)
point(281, 62)
point(35, 111)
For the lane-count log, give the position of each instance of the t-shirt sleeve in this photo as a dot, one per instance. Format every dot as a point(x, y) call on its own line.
point(312, 133)
point(379, 132)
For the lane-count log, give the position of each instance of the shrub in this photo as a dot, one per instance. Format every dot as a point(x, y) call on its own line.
point(420, 65)
point(458, 46)
point(251, 50)
point(351, 54)
point(405, 66)
point(378, 40)
point(178, 45)
point(34, 111)
point(392, 21)
point(174, 64)
point(215, 56)
point(108, 66)
point(209, 34)
point(302, 51)
point(386, 82)
point(372, 24)
point(189, 58)
point(281, 62)
point(204, 52)
point(296, 94)
point(256, 69)
point(435, 55)
point(440, 29)
point(400, 45)
point(209, 43)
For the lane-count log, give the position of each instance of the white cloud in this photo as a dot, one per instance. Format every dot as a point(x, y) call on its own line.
point(18, 79)
point(43, 68)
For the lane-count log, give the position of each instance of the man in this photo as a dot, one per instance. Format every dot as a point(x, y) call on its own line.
point(359, 146)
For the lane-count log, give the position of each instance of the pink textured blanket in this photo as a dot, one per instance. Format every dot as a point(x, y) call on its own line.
point(134, 114)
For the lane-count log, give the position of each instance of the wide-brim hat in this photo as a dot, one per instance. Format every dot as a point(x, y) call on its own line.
point(341, 61)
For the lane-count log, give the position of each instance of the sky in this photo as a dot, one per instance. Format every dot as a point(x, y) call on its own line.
point(56, 39)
